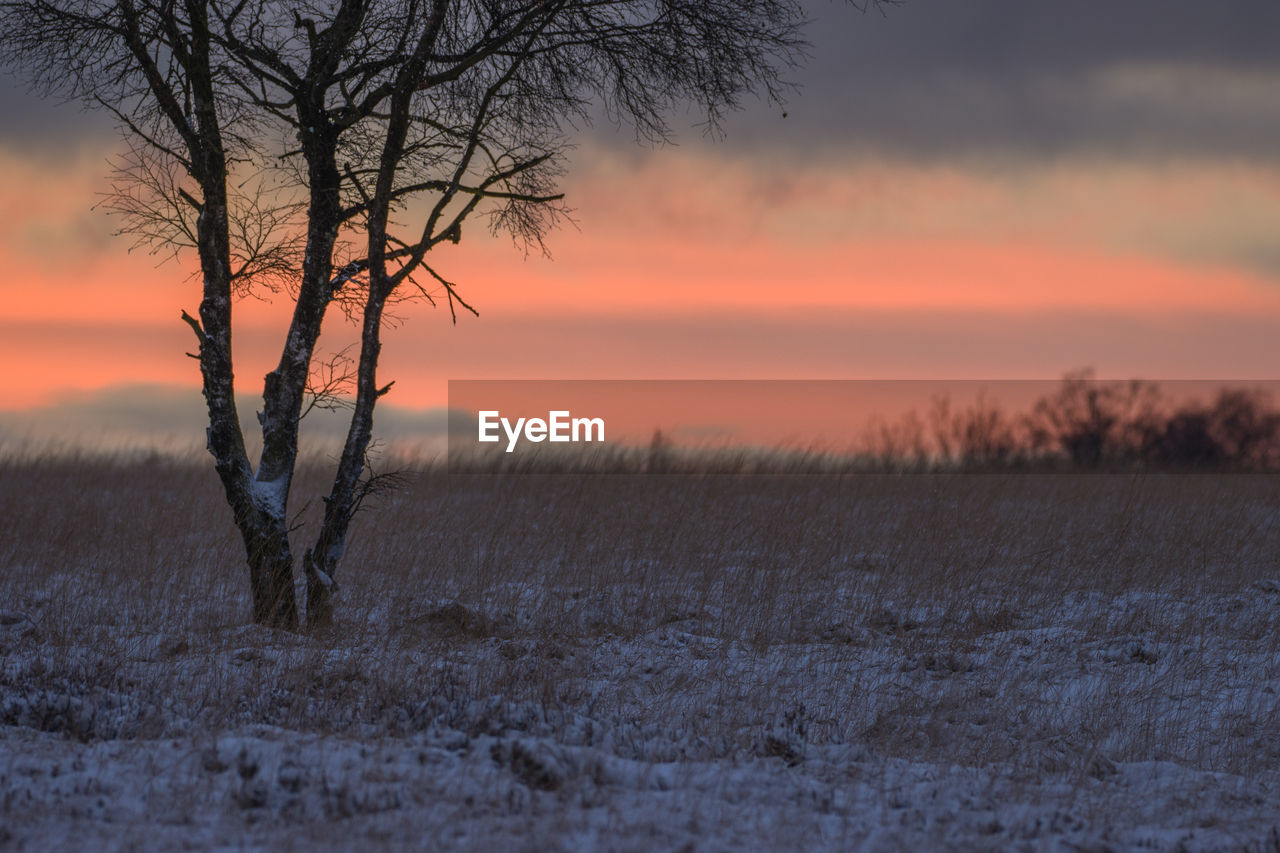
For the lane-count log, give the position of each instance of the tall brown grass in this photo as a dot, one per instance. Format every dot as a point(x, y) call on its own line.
point(1048, 622)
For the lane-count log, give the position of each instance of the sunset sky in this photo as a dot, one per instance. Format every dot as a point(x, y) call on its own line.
point(987, 189)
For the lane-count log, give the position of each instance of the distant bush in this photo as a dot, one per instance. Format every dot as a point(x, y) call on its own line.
point(1091, 423)
point(1088, 424)
point(1238, 430)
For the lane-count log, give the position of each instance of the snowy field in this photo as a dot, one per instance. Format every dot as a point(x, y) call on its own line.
point(926, 662)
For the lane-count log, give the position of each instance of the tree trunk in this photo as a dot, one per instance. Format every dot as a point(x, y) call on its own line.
point(271, 564)
point(271, 575)
point(321, 562)
point(263, 530)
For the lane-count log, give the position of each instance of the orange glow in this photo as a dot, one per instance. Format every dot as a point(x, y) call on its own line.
point(664, 250)
point(798, 414)
point(889, 274)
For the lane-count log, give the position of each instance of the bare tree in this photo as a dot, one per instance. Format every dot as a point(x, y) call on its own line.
point(1093, 423)
point(981, 435)
point(328, 150)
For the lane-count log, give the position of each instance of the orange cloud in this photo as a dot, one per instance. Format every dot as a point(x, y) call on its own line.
point(685, 265)
point(887, 274)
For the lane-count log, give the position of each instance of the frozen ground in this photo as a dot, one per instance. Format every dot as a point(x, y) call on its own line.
point(1029, 733)
point(763, 693)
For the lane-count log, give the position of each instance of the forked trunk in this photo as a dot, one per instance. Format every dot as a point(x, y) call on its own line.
point(271, 574)
point(320, 564)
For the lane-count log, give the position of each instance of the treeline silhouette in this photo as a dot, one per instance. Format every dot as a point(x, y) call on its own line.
point(1086, 424)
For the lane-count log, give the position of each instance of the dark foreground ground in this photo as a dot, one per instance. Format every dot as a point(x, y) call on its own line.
point(922, 662)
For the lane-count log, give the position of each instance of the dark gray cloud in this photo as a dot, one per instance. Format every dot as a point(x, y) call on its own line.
point(998, 38)
point(935, 78)
point(37, 125)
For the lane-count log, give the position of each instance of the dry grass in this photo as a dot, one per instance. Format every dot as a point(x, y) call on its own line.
point(1046, 630)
